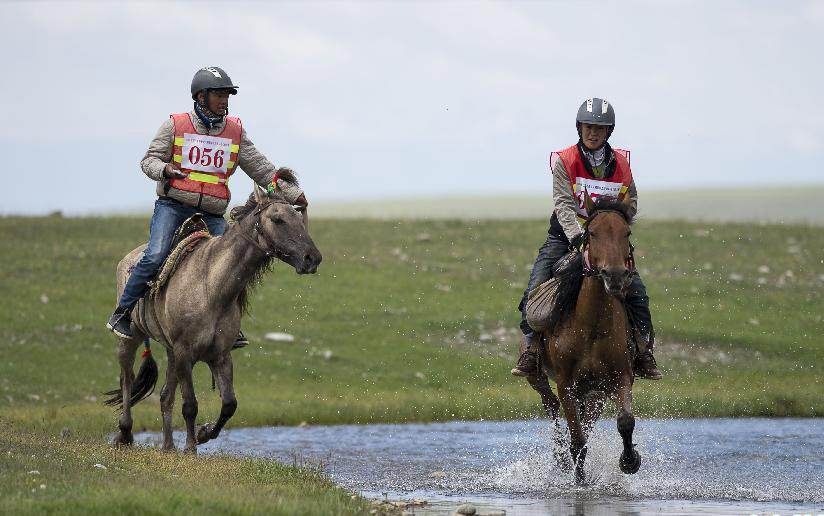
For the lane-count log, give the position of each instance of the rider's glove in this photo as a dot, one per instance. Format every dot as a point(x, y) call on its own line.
point(173, 173)
point(575, 243)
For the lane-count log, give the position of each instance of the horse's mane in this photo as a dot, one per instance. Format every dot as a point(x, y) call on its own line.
point(571, 277)
point(611, 204)
point(237, 214)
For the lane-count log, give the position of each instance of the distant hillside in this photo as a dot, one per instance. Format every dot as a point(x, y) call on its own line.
point(767, 205)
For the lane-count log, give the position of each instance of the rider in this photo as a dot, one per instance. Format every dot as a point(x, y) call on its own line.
point(591, 162)
point(191, 157)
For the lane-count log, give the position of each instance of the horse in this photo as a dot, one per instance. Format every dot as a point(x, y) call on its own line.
point(196, 315)
point(584, 348)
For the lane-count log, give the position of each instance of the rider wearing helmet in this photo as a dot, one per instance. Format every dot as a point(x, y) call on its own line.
point(192, 157)
point(592, 159)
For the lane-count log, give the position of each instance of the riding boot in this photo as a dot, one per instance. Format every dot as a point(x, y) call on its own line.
point(241, 341)
point(528, 361)
point(121, 322)
point(644, 366)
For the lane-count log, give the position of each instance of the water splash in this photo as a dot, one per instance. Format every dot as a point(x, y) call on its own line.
point(730, 460)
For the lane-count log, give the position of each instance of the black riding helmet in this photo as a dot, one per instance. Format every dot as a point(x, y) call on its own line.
point(212, 78)
point(595, 111)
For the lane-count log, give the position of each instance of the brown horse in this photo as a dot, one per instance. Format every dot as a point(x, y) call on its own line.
point(196, 315)
point(585, 347)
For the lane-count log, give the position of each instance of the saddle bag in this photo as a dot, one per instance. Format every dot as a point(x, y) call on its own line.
point(539, 303)
point(542, 298)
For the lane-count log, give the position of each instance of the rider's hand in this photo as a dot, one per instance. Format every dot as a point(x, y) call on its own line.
point(173, 173)
point(577, 240)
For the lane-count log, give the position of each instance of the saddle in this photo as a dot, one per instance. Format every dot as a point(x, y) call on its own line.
point(193, 231)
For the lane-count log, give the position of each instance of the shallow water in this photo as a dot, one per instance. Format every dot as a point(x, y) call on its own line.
point(700, 466)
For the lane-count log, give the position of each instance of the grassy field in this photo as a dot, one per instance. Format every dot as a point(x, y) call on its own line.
point(406, 321)
point(770, 205)
point(42, 474)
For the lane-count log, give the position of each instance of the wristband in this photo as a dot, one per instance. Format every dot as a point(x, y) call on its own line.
point(271, 187)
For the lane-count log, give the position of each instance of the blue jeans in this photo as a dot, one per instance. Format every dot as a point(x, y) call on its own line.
point(167, 217)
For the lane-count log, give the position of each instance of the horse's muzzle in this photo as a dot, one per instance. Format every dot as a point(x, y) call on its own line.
point(616, 279)
point(310, 262)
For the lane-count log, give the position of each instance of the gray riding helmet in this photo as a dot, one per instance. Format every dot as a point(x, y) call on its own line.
point(596, 111)
point(212, 78)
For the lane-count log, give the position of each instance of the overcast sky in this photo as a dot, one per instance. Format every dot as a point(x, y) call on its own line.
point(393, 99)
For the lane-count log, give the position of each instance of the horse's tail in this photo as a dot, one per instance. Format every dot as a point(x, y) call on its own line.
point(144, 382)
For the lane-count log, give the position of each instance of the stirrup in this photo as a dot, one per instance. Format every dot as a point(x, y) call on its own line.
point(241, 341)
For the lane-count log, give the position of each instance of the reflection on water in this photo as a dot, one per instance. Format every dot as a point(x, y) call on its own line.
point(715, 466)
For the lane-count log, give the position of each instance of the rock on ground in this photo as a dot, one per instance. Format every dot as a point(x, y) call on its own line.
point(466, 509)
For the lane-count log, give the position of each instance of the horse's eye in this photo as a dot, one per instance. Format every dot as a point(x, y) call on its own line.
point(279, 220)
point(591, 234)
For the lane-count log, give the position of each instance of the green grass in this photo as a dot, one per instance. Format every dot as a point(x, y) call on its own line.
point(43, 474)
point(420, 321)
point(406, 321)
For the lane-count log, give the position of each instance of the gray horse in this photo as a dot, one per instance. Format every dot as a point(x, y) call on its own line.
point(196, 315)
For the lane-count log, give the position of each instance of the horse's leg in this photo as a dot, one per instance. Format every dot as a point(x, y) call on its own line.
point(594, 407)
point(125, 354)
point(630, 460)
point(167, 401)
point(222, 372)
point(577, 445)
point(183, 368)
point(550, 402)
point(552, 407)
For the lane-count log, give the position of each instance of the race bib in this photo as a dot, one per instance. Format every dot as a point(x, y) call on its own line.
point(595, 189)
point(206, 153)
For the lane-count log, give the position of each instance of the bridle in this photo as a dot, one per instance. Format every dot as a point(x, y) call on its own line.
point(589, 270)
point(256, 229)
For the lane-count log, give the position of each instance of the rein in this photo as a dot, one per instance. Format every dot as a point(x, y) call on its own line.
point(589, 270)
point(256, 228)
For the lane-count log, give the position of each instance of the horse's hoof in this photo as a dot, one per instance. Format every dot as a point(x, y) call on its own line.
point(203, 433)
point(169, 449)
point(630, 465)
point(190, 450)
point(122, 439)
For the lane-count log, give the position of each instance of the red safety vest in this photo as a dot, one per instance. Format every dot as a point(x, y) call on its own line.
point(582, 181)
point(209, 160)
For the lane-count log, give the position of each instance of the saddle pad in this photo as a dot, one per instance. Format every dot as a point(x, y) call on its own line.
point(174, 259)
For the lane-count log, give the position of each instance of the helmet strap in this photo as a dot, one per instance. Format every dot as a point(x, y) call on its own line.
point(205, 114)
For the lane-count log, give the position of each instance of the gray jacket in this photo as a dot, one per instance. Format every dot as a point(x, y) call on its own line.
point(566, 202)
point(253, 163)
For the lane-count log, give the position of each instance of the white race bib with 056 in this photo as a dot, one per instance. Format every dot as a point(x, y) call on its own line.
point(206, 153)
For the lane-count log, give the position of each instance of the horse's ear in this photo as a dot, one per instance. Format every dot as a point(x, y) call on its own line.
point(627, 199)
point(258, 194)
point(589, 204)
